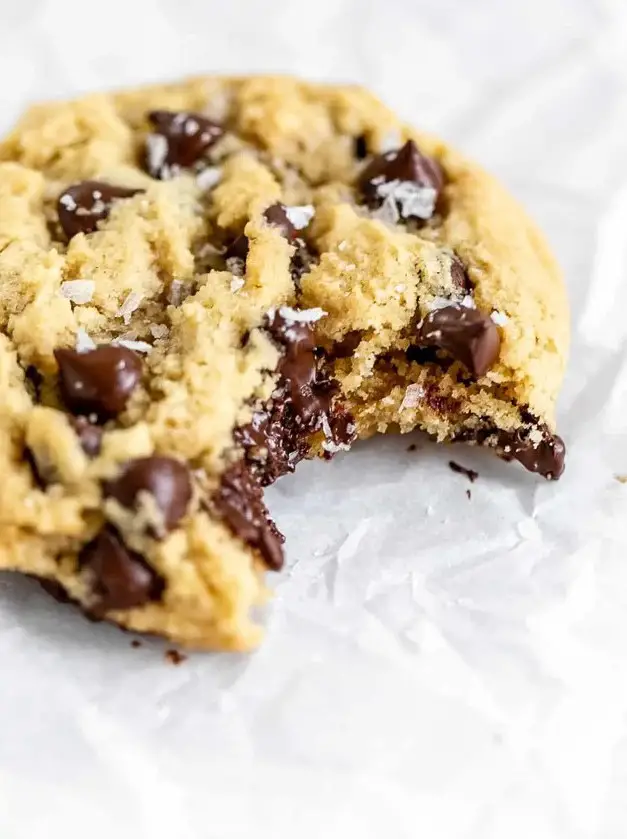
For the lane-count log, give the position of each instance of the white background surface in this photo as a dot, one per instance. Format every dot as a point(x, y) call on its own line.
point(458, 674)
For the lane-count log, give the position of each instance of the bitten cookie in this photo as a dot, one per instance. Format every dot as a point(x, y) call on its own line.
point(203, 283)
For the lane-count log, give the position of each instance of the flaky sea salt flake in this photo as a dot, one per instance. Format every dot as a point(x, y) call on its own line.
point(302, 315)
point(78, 291)
point(499, 318)
point(414, 200)
point(388, 212)
point(300, 216)
point(157, 152)
point(129, 305)
point(83, 342)
point(137, 346)
point(237, 283)
point(208, 178)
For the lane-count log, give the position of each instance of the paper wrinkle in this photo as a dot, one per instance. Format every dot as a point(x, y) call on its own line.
point(434, 665)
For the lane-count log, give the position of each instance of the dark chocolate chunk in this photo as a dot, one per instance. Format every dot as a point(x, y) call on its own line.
point(546, 456)
point(81, 206)
point(413, 180)
point(467, 334)
point(166, 479)
point(90, 435)
point(181, 140)
point(276, 215)
point(463, 470)
point(302, 260)
point(279, 436)
point(459, 275)
point(239, 501)
point(98, 381)
point(360, 147)
point(119, 577)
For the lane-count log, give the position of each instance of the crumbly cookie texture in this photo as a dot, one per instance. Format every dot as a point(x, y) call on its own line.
point(201, 284)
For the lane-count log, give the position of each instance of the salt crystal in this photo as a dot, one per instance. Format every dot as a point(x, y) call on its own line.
point(237, 283)
point(129, 305)
point(159, 330)
point(68, 202)
point(399, 288)
point(536, 436)
point(387, 212)
point(137, 346)
point(415, 200)
point(440, 303)
point(208, 178)
point(78, 291)
point(341, 246)
point(302, 315)
point(300, 216)
point(157, 151)
point(83, 342)
point(413, 396)
point(499, 318)
point(468, 302)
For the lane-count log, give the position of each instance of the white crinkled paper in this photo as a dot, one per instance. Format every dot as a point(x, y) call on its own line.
point(434, 666)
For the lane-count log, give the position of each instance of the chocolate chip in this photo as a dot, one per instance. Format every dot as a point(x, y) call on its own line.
point(98, 381)
point(459, 275)
point(89, 435)
point(360, 147)
point(180, 141)
point(303, 402)
point(546, 456)
point(467, 334)
point(411, 179)
point(276, 215)
point(166, 479)
point(120, 578)
point(463, 470)
point(302, 261)
point(239, 501)
point(81, 206)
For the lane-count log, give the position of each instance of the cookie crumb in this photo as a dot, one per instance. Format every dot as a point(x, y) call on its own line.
point(412, 447)
point(135, 643)
point(175, 657)
point(622, 479)
point(468, 494)
point(462, 470)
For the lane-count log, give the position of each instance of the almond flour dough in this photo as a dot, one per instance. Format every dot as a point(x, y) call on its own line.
point(201, 284)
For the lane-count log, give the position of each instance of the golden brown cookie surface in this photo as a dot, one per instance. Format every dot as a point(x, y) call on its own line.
point(204, 282)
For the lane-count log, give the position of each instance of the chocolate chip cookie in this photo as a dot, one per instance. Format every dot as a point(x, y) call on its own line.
point(203, 283)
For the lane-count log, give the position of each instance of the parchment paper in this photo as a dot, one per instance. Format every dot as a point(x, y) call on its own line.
point(435, 666)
